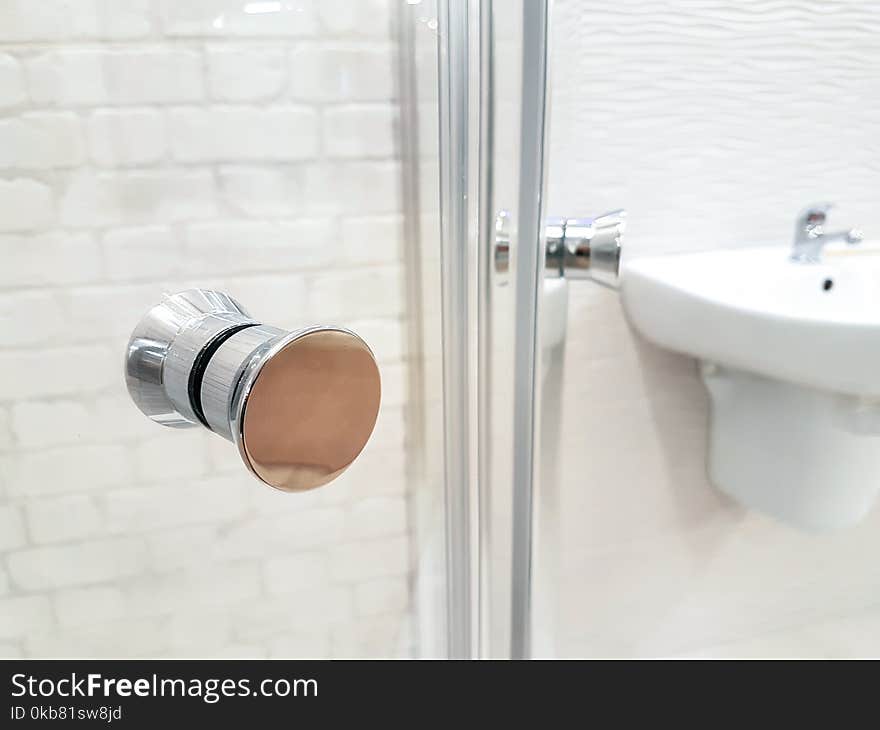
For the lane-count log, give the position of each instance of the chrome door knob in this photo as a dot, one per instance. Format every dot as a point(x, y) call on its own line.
point(300, 406)
point(586, 248)
point(576, 248)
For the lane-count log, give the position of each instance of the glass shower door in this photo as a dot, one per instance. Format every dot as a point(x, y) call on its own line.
point(252, 149)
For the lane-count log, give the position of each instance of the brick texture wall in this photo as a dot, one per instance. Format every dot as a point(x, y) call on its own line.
point(147, 146)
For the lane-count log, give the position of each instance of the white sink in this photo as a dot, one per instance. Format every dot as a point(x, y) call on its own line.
point(790, 354)
point(757, 310)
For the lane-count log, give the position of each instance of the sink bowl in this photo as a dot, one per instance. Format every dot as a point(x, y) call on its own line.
point(816, 325)
point(790, 355)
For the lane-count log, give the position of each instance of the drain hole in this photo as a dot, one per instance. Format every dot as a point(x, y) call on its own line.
point(827, 284)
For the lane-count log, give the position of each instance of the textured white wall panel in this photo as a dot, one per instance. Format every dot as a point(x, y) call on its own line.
point(714, 122)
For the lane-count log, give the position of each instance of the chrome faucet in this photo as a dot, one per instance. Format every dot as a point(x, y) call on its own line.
point(810, 236)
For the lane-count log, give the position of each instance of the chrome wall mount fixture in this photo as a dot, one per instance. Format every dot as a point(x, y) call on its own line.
point(810, 236)
point(300, 406)
point(577, 248)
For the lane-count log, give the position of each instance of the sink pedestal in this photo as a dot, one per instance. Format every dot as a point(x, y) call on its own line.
point(808, 457)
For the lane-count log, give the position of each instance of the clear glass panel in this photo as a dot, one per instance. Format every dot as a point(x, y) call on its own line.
point(713, 124)
point(253, 148)
point(424, 419)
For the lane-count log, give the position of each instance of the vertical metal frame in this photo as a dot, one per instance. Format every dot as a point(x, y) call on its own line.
point(529, 287)
point(459, 172)
point(474, 356)
point(486, 223)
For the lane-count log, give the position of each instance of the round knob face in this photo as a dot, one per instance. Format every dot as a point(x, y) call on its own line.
point(310, 409)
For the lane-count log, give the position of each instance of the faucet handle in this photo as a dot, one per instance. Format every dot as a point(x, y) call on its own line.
point(854, 236)
point(814, 216)
point(810, 235)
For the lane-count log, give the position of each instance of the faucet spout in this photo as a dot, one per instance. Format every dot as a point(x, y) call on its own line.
point(852, 236)
point(810, 236)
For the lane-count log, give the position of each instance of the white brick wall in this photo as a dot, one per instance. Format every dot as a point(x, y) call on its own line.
point(225, 19)
point(21, 615)
point(359, 130)
point(40, 568)
point(90, 77)
point(89, 199)
point(48, 259)
point(39, 424)
point(296, 573)
point(62, 20)
point(41, 140)
point(48, 371)
point(25, 205)
point(382, 595)
point(123, 137)
point(50, 471)
point(71, 517)
point(12, 91)
point(84, 606)
point(222, 133)
point(146, 253)
point(341, 73)
point(5, 430)
point(11, 528)
point(31, 318)
point(249, 74)
point(146, 146)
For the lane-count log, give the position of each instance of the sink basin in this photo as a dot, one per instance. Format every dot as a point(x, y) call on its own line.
point(813, 324)
point(790, 355)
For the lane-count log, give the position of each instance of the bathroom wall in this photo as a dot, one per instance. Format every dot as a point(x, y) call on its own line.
point(146, 146)
point(713, 123)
